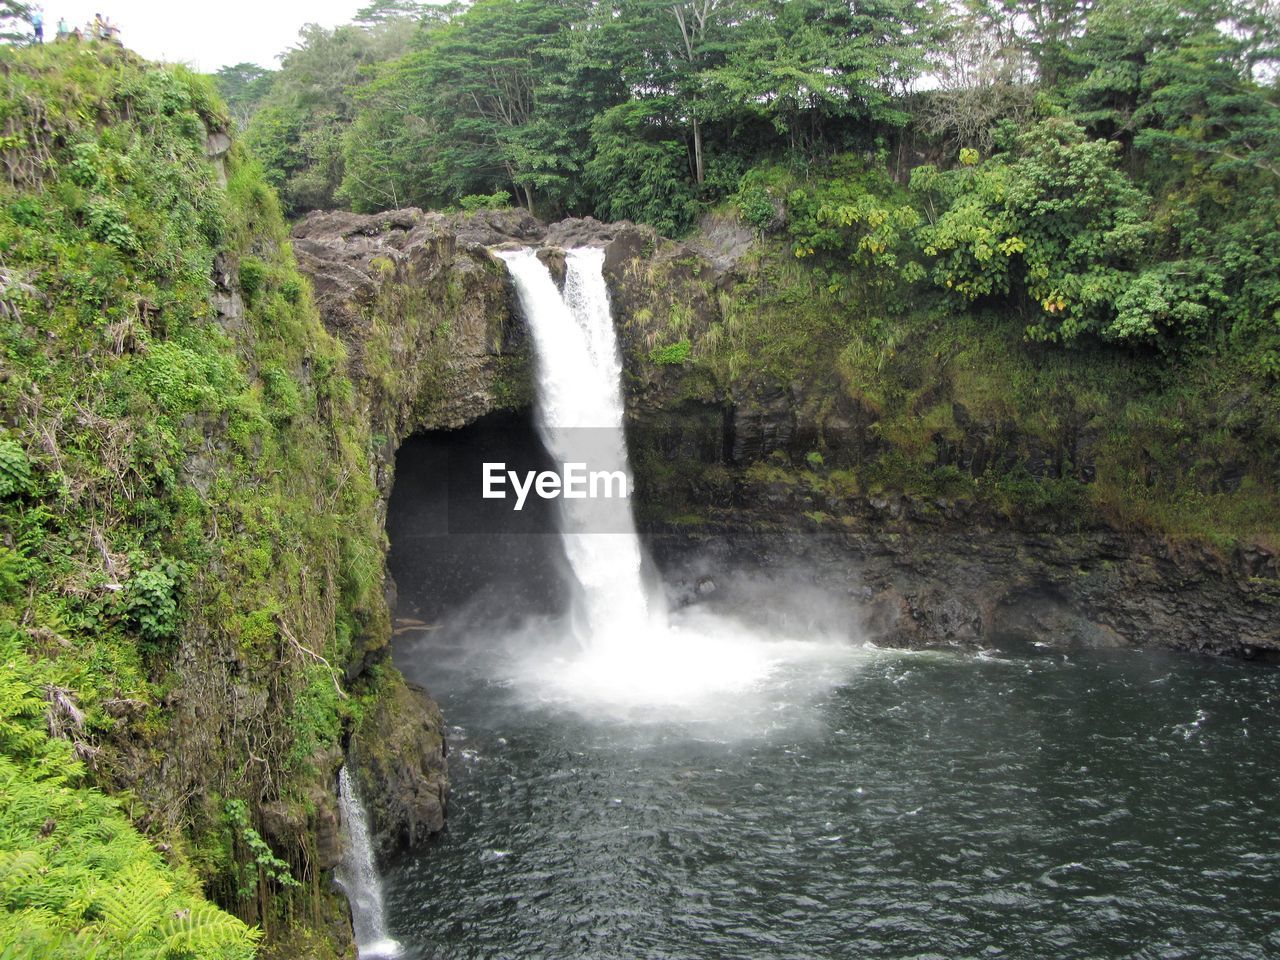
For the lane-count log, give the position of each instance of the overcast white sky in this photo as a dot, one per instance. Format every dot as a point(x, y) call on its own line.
point(205, 35)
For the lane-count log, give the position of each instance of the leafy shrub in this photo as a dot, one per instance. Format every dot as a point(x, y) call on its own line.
point(184, 380)
point(109, 223)
point(860, 217)
point(1056, 221)
point(76, 880)
point(263, 859)
point(282, 394)
point(293, 288)
point(314, 718)
point(151, 599)
point(83, 167)
point(485, 201)
point(13, 573)
point(253, 277)
point(671, 355)
point(27, 211)
point(756, 206)
point(639, 168)
point(15, 469)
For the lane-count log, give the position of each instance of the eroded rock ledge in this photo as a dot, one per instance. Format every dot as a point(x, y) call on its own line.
point(916, 578)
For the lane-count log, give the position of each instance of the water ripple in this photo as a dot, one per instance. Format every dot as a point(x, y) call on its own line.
point(929, 806)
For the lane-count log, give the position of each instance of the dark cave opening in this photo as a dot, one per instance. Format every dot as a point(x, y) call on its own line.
point(452, 550)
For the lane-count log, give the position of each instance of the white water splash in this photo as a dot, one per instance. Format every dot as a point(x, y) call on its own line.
point(358, 876)
point(632, 653)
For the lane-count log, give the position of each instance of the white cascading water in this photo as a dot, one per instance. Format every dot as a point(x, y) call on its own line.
point(633, 654)
point(358, 876)
point(580, 418)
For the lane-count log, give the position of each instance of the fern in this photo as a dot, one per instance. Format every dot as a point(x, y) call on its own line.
point(133, 905)
point(77, 881)
point(19, 870)
point(31, 934)
point(15, 469)
point(200, 928)
point(19, 704)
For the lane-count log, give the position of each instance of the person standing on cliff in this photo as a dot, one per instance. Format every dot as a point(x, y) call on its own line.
point(37, 24)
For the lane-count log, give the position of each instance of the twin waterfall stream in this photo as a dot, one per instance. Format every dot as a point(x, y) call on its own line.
point(580, 419)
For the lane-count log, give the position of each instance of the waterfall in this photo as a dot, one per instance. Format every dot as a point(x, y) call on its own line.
point(633, 657)
point(580, 418)
point(358, 876)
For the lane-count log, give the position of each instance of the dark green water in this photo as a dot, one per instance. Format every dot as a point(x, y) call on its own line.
point(1029, 805)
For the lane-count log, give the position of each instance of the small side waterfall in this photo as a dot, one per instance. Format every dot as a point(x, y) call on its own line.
point(358, 876)
point(580, 417)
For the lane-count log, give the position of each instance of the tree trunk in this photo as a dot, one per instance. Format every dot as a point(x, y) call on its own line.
point(698, 171)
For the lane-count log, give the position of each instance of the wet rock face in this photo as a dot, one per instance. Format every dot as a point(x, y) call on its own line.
point(283, 823)
point(917, 577)
point(556, 263)
point(919, 573)
point(398, 755)
point(762, 424)
point(424, 311)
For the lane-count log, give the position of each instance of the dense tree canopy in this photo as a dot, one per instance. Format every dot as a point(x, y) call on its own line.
point(1107, 168)
point(295, 117)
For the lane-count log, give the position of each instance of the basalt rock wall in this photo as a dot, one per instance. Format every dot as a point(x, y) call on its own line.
point(741, 471)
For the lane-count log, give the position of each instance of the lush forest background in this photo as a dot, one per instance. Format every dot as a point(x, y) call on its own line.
point(1055, 217)
point(1029, 212)
point(1111, 166)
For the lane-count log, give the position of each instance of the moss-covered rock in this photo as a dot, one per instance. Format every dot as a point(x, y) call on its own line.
point(398, 751)
point(191, 542)
point(954, 464)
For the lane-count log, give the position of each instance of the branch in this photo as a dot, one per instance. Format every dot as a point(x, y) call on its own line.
point(288, 635)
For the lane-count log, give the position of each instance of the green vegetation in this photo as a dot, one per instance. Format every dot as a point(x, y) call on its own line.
point(190, 547)
point(1107, 171)
point(673, 354)
point(76, 878)
point(639, 109)
point(294, 118)
point(959, 406)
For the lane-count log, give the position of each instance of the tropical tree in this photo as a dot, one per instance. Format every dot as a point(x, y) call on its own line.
point(816, 67)
point(297, 129)
point(1052, 225)
point(502, 97)
point(244, 86)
